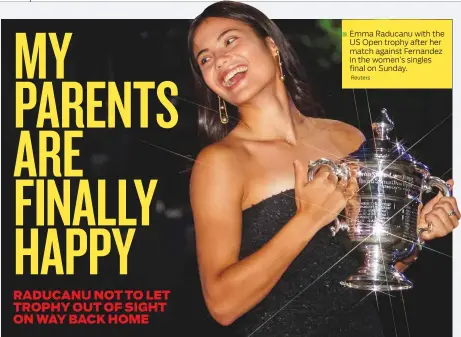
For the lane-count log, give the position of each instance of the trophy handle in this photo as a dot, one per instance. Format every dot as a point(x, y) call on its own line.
point(427, 186)
point(432, 181)
point(342, 172)
point(339, 225)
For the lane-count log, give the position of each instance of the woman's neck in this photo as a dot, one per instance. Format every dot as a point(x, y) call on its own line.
point(271, 116)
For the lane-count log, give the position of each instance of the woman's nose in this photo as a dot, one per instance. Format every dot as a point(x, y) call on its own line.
point(222, 61)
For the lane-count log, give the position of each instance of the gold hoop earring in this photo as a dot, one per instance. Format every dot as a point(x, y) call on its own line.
point(223, 111)
point(282, 77)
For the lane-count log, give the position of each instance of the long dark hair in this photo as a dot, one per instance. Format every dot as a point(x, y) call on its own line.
point(295, 79)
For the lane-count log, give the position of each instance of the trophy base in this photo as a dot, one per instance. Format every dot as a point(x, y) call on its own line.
point(388, 279)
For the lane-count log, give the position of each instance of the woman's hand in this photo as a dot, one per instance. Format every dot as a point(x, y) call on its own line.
point(323, 198)
point(439, 216)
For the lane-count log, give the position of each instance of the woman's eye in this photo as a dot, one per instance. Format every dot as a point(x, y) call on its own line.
point(204, 60)
point(230, 40)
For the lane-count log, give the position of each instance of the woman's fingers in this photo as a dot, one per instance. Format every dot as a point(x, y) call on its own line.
point(453, 206)
point(342, 186)
point(332, 178)
point(433, 228)
point(324, 172)
point(447, 223)
point(448, 207)
point(438, 225)
point(325, 178)
point(352, 187)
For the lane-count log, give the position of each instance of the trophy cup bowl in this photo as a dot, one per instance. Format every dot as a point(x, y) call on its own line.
point(381, 218)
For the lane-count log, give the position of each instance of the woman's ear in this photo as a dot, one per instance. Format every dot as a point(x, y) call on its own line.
point(271, 45)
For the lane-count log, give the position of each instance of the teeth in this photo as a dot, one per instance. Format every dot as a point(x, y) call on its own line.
point(232, 74)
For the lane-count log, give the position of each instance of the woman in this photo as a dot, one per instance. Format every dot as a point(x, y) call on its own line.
point(261, 229)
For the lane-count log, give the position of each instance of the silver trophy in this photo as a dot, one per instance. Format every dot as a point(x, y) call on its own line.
point(381, 218)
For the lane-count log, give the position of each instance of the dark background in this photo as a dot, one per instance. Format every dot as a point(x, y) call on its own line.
point(162, 256)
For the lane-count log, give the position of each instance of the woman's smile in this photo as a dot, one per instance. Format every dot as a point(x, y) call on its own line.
point(232, 76)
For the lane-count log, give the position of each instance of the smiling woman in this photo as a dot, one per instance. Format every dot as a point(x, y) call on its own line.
point(266, 259)
point(244, 33)
point(259, 241)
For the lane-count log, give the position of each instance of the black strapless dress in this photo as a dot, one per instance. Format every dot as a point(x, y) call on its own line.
point(308, 300)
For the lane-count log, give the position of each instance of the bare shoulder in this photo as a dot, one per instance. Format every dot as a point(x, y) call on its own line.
point(349, 136)
point(217, 163)
point(349, 131)
point(216, 156)
point(221, 154)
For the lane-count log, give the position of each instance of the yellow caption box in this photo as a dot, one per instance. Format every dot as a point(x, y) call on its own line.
point(397, 54)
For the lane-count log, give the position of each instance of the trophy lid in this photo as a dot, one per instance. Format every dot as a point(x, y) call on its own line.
point(382, 147)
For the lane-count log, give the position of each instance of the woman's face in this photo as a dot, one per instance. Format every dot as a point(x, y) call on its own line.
point(235, 63)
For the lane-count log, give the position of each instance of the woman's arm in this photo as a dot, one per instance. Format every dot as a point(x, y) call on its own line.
point(232, 287)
